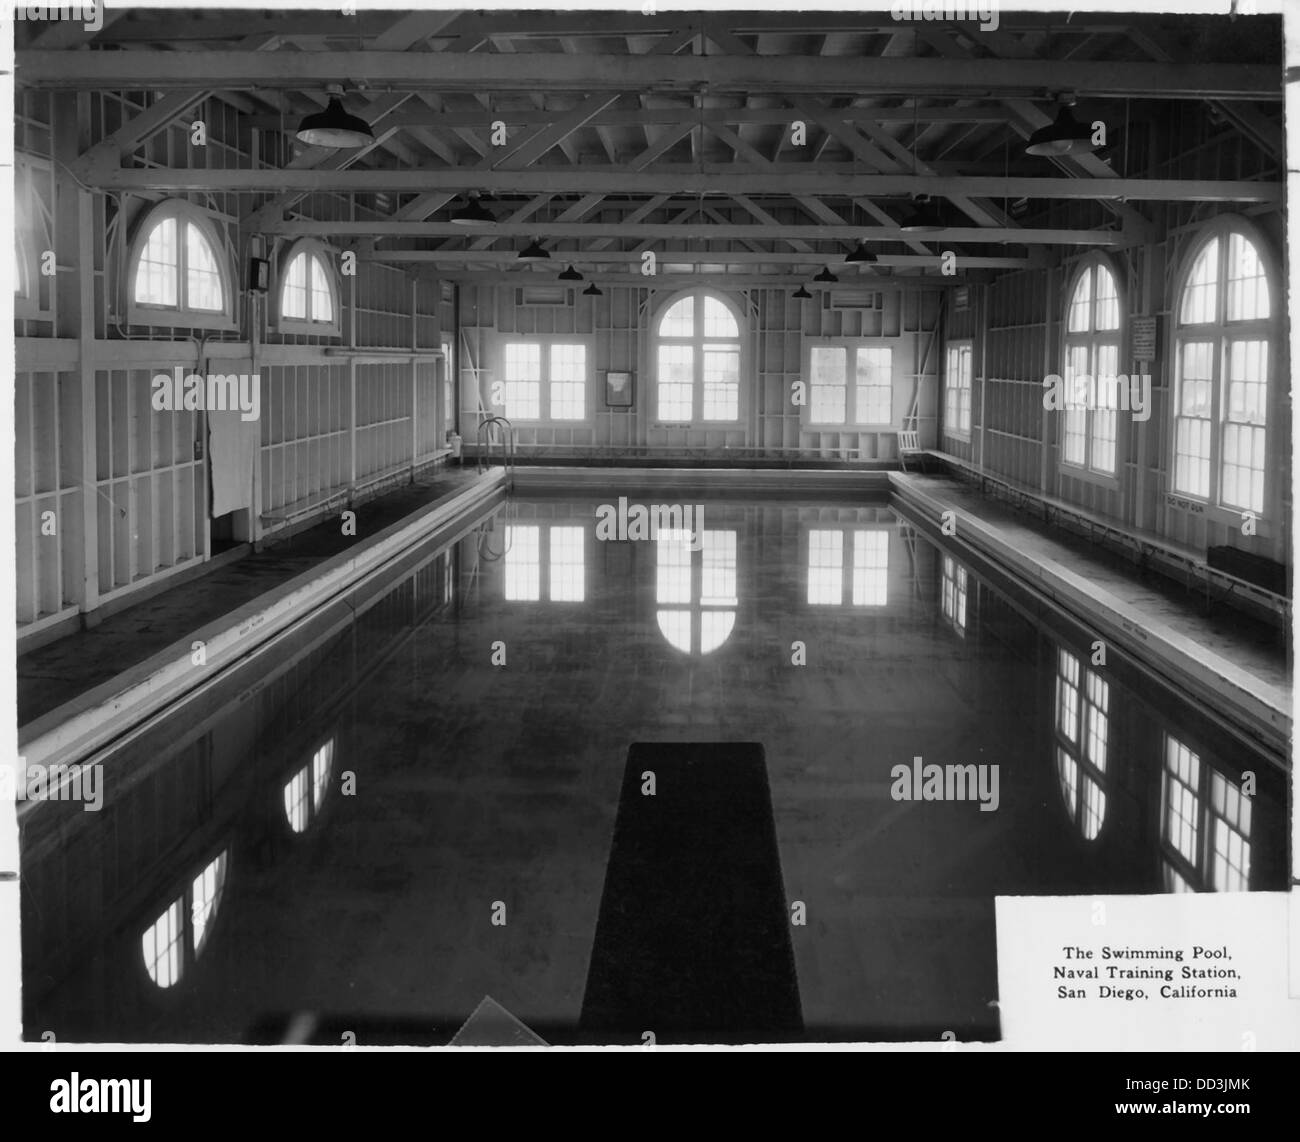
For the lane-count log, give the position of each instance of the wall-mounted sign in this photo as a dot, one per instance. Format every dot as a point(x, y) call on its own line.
point(961, 297)
point(1142, 336)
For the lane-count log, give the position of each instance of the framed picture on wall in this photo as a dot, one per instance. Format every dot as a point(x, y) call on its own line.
point(618, 390)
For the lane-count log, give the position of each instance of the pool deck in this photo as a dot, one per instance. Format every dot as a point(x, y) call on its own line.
point(1222, 659)
point(77, 693)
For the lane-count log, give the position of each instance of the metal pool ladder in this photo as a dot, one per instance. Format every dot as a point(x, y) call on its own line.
point(506, 432)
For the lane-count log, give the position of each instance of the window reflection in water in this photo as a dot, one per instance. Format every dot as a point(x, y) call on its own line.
point(565, 563)
point(1205, 839)
point(953, 595)
point(1082, 732)
point(868, 553)
point(168, 944)
point(304, 794)
point(696, 620)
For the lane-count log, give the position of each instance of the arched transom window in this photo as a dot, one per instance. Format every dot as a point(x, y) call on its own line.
point(308, 301)
point(698, 361)
point(179, 273)
point(1224, 359)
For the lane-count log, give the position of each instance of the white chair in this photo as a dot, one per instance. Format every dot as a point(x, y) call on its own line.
point(908, 445)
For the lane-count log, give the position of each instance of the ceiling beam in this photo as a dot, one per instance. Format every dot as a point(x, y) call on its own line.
point(669, 280)
point(632, 258)
point(438, 71)
point(652, 116)
point(768, 228)
point(711, 179)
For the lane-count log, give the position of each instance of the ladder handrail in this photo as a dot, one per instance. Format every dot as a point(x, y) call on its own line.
point(507, 444)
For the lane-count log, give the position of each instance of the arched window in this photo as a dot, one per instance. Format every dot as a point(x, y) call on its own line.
point(1091, 373)
point(1225, 350)
point(308, 291)
point(179, 270)
point(179, 935)
point(698, 360)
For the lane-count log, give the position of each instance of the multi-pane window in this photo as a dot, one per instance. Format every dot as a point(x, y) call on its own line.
point(162, 945)
point(695, 590)
point(1082, 734)
point(170, 943)
point(850, 384)
point(559, 551)
point(957, 390)
point(953, 594)
point(698, 361)
point(1092, 337)
point(1223, 358)
point(304, 792)
point(545, 380)
point(1205, 825)
point(307, 301)
point(857, 559)
point(178, 269)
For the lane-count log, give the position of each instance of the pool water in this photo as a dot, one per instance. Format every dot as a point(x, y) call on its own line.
point(408, 804)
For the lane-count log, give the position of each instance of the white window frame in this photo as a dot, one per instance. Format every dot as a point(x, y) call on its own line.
point(1220, 332)
point(308, 326)
point(545, 341)
point(960, 345)
point(1092, 339)
point(34, 300)
point(849, 346)
point(698, 342)
point(186, 214)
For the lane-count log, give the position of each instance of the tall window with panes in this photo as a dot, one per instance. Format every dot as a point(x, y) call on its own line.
point(1224, 349)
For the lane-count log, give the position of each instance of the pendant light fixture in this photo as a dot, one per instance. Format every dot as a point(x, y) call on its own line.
point(802, 293)
point(860, 256)
point(533, 252)
point(570, 275)
point(826, 276)
point(473, 213)
point(334, 127)
point(923, 218)
point(1066, 136)
point(593, 290)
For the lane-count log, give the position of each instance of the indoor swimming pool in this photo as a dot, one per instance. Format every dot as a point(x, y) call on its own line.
point(410, 802)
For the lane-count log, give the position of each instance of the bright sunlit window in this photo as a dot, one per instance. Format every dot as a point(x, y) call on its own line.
point(308, 291)
point(179, 272)
point(1225, 349)
point(957, 390)
point(544, 380)
point(849, 384)
point(1092, 339)
point(698, 359)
